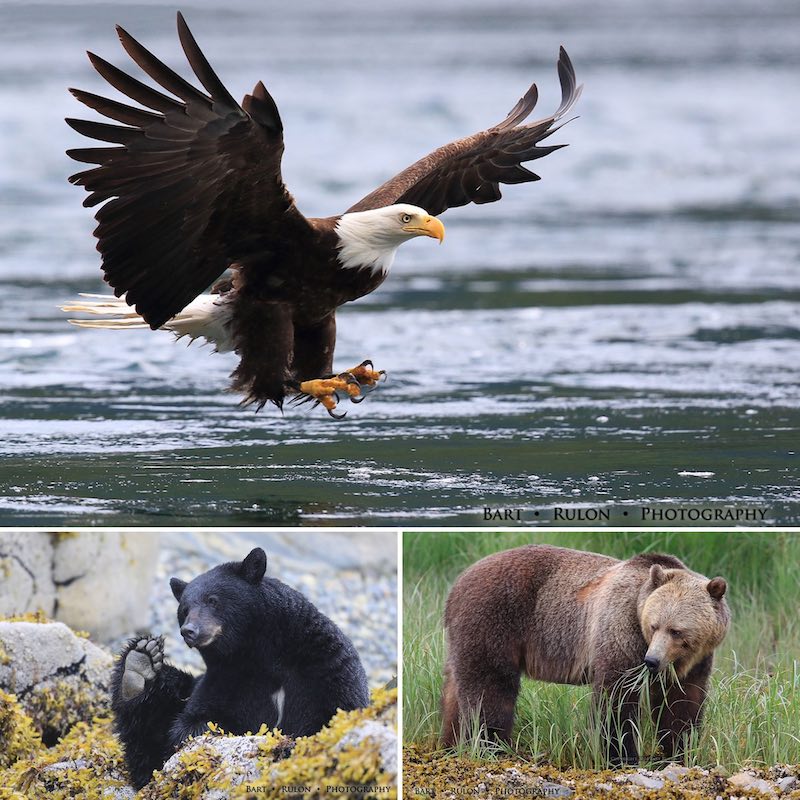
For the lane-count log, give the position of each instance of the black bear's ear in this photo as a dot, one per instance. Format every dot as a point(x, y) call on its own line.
point(717, 587)
point(177, 586)
point(254, 566)
point(658, 576)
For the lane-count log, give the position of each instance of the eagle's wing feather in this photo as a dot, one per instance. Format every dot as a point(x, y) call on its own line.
point(470, 170)
point(194, 186)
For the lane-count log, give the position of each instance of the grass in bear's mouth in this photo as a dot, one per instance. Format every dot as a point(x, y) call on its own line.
point(752, 715)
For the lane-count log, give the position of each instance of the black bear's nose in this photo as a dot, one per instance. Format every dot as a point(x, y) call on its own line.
point(189, 632)
point(652, 663)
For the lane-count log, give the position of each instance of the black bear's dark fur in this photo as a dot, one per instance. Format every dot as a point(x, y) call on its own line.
point(271, 657)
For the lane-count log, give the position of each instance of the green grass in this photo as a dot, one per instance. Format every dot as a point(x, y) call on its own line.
point(752, 715)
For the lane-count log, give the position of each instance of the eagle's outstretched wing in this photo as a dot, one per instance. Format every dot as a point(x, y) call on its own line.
point(194, 185)
point(471, 169)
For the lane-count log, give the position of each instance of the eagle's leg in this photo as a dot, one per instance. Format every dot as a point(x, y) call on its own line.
point(312, 365)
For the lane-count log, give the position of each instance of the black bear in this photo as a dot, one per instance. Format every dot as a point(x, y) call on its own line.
point(271, 657)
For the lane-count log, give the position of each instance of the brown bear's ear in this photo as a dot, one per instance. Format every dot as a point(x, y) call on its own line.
point(658, 577)
point(177, 586)
point(716, 588)
point(254, 566)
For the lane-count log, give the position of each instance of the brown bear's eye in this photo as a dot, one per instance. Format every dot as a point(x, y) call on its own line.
point(676, 634)
point(653, 627)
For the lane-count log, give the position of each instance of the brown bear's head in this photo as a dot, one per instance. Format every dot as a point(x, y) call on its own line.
point(684, 617)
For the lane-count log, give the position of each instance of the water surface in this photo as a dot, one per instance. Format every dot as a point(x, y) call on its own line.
point(624, 332)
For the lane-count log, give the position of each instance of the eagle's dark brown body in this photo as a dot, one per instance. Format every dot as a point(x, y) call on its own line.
point(191, 186)
point(288, 304)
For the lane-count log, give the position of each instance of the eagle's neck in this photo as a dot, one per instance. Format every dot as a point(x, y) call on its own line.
point(365, 245)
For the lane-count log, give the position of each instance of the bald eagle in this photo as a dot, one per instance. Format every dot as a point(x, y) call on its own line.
point(192, 197)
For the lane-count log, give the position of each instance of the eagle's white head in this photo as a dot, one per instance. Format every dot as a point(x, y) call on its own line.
point(369, 239)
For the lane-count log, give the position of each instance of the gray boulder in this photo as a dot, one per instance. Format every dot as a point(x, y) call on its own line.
point(59, 678)
point(94, 581)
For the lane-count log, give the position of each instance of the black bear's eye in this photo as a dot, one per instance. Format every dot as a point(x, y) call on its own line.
point(212, 600)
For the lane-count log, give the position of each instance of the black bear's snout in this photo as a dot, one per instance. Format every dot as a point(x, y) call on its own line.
point(189, 633)
point(652, 663)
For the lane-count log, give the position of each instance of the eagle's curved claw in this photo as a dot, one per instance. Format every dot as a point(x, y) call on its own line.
point(366, 375)
point(355, 384)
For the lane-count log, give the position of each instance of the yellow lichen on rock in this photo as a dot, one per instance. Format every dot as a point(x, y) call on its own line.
point(345, 758)
point(333, 762)
point(18, 736)
point(86, 763)
point(61, 706)
point(439, 775)
point(37, 616)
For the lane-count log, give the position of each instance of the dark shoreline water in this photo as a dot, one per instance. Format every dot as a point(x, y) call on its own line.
point(625, 332)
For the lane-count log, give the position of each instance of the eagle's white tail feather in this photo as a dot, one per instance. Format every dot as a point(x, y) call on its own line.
point(120, 314)
point(206, 317)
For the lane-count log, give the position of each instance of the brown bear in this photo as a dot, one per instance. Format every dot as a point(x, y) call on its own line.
point(567, 616)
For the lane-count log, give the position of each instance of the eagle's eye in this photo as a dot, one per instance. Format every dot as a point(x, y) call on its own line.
point(405, 218)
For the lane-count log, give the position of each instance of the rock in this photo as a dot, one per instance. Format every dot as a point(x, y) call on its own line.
point(385, 738)
point(606, 787)
point(673, 772)
point(58, 678)
point(309, 550)
point(646, 782)
point(356, 754)
point(103, 580)
point(744, 780)
point(52, 771)
point(787, 784)
point(531, 785)
point(94, 581)
point(26, 573)
point(556, 790)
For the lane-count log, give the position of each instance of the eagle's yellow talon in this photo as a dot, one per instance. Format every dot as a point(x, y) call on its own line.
point(366, 375)
point(328, 401)
point(352, 383)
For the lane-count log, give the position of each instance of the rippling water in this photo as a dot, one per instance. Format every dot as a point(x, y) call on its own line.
point(624, 331)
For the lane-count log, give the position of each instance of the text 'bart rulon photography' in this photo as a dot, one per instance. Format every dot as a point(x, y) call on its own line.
point(198, 665)
point(613, 665)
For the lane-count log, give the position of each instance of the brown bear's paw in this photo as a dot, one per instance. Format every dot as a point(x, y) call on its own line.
point(143, 661)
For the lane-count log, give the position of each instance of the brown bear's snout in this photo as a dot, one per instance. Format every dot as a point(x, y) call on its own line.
point(652, 663)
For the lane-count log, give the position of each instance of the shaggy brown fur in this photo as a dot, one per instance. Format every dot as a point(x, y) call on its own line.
point(567, 616)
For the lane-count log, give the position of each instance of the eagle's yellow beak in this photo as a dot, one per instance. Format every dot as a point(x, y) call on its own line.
point(429, 226)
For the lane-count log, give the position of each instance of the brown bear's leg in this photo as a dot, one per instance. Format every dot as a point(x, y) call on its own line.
point(496, 697)
point(616, 711)
point(450, 716)
point(683, 709)
point(480, 685)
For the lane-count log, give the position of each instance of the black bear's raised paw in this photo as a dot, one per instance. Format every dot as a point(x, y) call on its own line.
point(143, 661)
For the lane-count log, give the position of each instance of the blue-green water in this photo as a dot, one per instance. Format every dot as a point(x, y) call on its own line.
point(624, 332)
